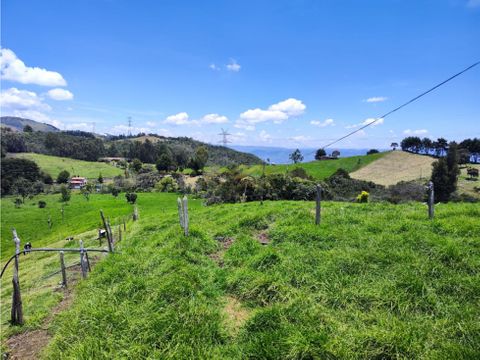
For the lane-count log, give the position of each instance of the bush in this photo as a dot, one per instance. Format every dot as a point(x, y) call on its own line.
point(167, 184)
point(363, 197)
point(406, 191)
point(131, 197)
point(42, 204)
point(372, 151)
point(63, 177)
point(147, 181)
point(65, 193)
point(299, 172)
point(115, 191)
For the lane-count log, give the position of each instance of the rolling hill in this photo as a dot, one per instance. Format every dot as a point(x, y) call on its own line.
point(18, 123)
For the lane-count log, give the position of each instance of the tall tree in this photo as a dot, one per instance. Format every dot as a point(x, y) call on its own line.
point(319, 154)
point(445, 174)
point(394, 146)
point(296, 156)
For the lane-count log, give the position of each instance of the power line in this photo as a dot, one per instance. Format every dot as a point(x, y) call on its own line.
point(403, 105)
point(224, 135)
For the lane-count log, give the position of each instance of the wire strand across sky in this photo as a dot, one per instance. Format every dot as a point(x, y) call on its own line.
point(401, 106)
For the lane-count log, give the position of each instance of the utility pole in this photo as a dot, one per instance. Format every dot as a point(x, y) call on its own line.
point(129, 125)
point(224, 134)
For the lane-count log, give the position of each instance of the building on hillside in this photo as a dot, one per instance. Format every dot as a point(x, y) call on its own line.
point(77, 182)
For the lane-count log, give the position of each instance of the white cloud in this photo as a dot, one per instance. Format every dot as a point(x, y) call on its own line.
point(16, 99)
point(124, 129)
point(376, 99)
point(277, 113)
point(327, 122)
point(178, 119)
point(415, 132)
point(214, 119)
point(14, 69)
point(150, 124)
point(60, 94)
point(233, 66)
point(374, 122)
point(473, 3)
point(214, 67)
point(300, 138)
point(265, 137)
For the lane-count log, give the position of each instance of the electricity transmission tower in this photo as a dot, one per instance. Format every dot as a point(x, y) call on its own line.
point(224, 135)
point(129, 125)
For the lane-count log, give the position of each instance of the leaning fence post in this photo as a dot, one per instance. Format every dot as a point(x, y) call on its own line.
point(83, 264)
point(180, 212)
point(17, 310)
point(185, 215)
point(431, 200)
point(63, 269)
point(318, 205)
point(88, 261)
point(106, 225)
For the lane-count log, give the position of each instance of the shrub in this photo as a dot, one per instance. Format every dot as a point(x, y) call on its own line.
point(115, 191)
point(372, 151)
point(42, 204)
point(65, 193)
point(406, 191)
point(63, 177)
point(131, 197)
point(299, 172)
point(18, 202)
point(363, 197)
point(167, 184)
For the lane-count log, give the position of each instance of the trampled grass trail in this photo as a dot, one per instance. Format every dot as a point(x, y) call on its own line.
point(373, 281)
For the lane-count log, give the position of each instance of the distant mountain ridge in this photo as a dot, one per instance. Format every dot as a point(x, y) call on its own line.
point(17, 124)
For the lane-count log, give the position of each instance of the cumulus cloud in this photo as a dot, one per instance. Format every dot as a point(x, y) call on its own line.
point(178, 119)
point(214, 67)
point(214, 119)
point(14, 69)
point(16, 99)
point(265, 137)
point(277, 113)
point(60, 94)
point(233, 66)
point(327, 122)
point(415, 132)
point(376, 99)
point(373, 121)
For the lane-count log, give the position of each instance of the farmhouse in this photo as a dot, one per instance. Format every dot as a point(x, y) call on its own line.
point(77, 182)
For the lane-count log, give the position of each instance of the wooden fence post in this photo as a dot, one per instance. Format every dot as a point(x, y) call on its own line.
point(431, 200)
point(17, 310)
point(119, 232)
point(83, 264)
point(185, 215)
point(108, 230)
point(124, 224)
point(63, 269)
point(180, 212)
point(318, 205)
point(88, 261)
point(135, 214)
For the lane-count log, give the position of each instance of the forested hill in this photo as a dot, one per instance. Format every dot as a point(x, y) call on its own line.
point(91, 147)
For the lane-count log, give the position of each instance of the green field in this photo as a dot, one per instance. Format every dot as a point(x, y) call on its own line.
point(54, 164)
point(317, 169)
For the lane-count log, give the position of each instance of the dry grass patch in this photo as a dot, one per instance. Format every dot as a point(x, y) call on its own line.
point(235, 315)
point(394, 167)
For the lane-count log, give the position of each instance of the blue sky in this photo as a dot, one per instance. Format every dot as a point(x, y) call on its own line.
point(284, 73)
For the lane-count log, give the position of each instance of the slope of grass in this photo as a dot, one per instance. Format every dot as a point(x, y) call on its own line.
point(40, 293)
point(373, 281)
point(396, 166)
point(54, 164)
point(317, 169)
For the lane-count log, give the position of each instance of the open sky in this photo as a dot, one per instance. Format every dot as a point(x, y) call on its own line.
point(284, 73)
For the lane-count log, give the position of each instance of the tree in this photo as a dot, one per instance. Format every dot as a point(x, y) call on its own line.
point(22, 187)
point(445, 174)
point(115, 191)
point(372, 151)
point(319, 154)
point(296, 156)
point(472, 173)
point(335, 154)
point(164, 162)
point(100, 178)
point(131, 197)
point(427, 145)
point(27, 129)
point(394, 146)
point(136, 165)
point(66, 194)
point(198, 162)
point(63, 177)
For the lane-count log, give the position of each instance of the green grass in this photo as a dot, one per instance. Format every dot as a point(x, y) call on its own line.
point(317, 169)
point(40, 293)
point(374, 281)
point(54, 164)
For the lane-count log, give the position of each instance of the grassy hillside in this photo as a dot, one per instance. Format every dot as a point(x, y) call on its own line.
point(54, 164)
point(396, 166)
point(373, 281)
point(317, 169)
point(18, 123)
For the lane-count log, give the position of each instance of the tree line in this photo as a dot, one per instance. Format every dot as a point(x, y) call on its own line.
point(467, 151)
